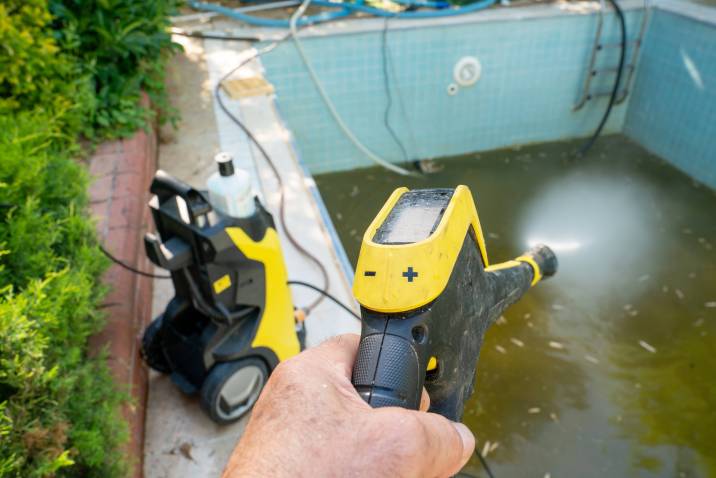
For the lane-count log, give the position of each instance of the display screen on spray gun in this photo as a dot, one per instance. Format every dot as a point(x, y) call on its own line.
point(414, 217)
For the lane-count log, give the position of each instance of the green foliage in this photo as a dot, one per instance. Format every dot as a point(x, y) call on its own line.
point(67, 68)
point(58, 408)
point(34, 72)
point(123, 46)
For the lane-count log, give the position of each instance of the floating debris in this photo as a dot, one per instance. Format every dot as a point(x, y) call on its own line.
point(686, 230)
point(679, 294)
point(665, 289)
point(633, 313)
point(628, 307)
point(517, 342)
point(489, 447)
point(554, 417)
point(698, 323)
point(547, 475)
point(353, 232)
point(589, 358)
point(557, 307)
point(339, 216)
point(354, 192)
point(711, 305)
point(493, 235)
point(556, 345)
point(643, 278)
point(501, 320)
point(647, 346)
point(534, 410)
point(530, 324)
point(527, 316)
point(692, 275)
point(500, 349)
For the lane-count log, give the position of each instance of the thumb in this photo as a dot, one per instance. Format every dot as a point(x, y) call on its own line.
point(449, 445)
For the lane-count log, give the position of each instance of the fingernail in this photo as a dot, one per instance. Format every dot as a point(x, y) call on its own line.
point(468, 440)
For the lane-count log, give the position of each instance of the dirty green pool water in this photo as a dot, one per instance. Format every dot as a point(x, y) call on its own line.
point(608, 369)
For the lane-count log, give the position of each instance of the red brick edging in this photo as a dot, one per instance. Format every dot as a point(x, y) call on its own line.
point(121, 173)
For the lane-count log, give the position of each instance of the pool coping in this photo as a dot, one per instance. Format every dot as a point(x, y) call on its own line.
point(688, 9)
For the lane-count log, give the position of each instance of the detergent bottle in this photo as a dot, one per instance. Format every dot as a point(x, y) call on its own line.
point(230, 189)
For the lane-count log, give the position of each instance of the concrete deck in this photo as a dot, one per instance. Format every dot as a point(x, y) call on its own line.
point(180, 439)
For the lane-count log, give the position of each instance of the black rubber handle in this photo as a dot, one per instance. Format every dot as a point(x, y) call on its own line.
point(387, 369)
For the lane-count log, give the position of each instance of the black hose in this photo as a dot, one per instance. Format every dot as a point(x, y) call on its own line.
point(130, 268)
point(210, 36)
point(615, 90)
point(326, 294)
point(274, 170)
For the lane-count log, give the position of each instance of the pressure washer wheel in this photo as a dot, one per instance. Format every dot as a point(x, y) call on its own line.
point(232, 388)
point(151, 350)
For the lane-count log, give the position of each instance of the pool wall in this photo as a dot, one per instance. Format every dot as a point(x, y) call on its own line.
point(533, 60)
point(533, 63)
point(672, 111)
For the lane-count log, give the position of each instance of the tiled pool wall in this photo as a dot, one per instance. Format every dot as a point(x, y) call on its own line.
point(672, 111)
point(533, 68)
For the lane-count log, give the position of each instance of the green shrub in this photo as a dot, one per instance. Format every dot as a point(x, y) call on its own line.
point(123, 45)
point(67, 68)
point(34, 73)
point(58, 408)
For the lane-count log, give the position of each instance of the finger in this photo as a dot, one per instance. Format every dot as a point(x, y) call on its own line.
point(424, 401)
point(339, 351)
point(450, 445)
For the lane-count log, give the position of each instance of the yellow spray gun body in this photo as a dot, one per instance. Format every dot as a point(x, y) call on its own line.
point(428, 295)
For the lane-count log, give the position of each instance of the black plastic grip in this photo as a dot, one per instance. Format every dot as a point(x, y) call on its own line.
point(386, 372)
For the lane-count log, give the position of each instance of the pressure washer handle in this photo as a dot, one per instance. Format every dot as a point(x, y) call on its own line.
point(389, 370)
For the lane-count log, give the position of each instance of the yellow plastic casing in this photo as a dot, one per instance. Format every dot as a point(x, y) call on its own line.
point(277, 330)
point(385, 289)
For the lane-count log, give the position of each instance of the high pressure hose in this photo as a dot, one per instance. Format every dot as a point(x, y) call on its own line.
point(293, 22)
point(615, 89)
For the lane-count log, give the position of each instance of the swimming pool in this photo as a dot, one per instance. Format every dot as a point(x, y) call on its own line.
point(607, 370)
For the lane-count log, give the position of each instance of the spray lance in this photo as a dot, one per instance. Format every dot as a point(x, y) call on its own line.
point(428, 295)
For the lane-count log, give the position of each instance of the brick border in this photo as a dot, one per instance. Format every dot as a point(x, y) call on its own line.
point(121, 174)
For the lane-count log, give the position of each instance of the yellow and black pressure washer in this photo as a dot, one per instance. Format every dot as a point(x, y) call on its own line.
point(427, 296)
point(231, 320)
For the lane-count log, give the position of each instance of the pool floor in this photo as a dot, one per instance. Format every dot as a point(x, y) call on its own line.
point(608, 368)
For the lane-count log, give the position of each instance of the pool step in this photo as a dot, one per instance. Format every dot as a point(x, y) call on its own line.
point(593, 70)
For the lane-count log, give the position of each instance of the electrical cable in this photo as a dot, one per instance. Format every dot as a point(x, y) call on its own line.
point(615, 90)
point(386, 84)
point(327, 295)
point(130, 268)
point(329, 104)
point(281, 187)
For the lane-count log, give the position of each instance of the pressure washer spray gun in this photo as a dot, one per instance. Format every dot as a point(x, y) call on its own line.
point(428, 295)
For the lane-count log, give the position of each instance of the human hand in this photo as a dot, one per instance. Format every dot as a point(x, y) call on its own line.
point(310, 421)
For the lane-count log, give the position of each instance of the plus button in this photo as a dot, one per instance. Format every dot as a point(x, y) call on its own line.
point(410, 274)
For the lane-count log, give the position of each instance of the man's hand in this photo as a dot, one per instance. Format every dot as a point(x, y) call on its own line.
point(310, 422)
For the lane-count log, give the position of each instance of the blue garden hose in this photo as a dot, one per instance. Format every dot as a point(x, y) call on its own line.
point(438, 8)
point(444, 12)
point(237, 14)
